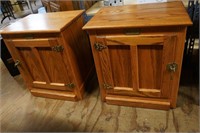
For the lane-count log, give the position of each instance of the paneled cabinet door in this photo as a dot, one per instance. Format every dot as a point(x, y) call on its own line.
point(137, 65)
point(42, 62)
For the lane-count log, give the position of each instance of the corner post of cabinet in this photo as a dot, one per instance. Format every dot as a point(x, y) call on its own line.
point(179, 49)
point(92, 36)
point(64, 40)
point(16, 56)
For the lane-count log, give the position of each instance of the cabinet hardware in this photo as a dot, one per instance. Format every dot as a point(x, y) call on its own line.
point(99, 46)
point(28, 36)
point(107, 86)
point(70, 85)
point(132, 31)
point(172, 67)
point(58, 48)
point(17, 63)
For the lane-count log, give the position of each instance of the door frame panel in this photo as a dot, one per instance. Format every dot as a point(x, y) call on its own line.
point(33, 44)
point(133, 41)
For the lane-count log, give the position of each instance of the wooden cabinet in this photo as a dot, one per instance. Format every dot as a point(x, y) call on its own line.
point(138, 55)
point(54, 7)
point(65, 5)
point(52, 53)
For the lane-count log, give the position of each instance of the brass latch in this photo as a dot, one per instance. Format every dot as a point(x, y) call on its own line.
point(132, 31)
point(70, 85)
point(28, 36)
point(172, 67)
point(107, 86)
point(58, 48)
point(99, 46)
point(17, 63)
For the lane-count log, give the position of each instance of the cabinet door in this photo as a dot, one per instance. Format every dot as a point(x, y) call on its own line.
point(136, 65)
point(43, 62)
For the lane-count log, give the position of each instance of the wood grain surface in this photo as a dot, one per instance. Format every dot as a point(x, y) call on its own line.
point(139, 44)
point(43, 23)
point(59, 64)
point(144, 15)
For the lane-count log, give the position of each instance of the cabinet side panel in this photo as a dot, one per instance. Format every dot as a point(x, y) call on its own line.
point(78, 48)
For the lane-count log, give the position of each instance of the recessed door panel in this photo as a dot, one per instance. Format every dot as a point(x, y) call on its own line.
point(28, 57)
point(121, 65)
point(150, 66)
point(53, 65)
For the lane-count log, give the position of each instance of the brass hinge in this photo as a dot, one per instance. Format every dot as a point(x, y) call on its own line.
point(107, 86)
point(99, 46)
point(70, 85)
point(58, 48)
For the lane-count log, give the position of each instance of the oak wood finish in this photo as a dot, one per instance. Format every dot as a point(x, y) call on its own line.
point(138, 102)
point(55, 57)
point(43, 23)
point(66, 5)
point(137, 46)
point(165, 14)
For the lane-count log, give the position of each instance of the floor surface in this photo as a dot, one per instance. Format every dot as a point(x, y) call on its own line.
point(22, 112)
point(20, 14)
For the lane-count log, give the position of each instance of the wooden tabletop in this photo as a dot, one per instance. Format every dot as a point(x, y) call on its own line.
point(42, 23)
point(145, 15)
point(98, 5)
